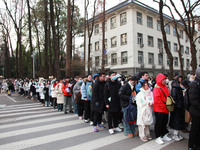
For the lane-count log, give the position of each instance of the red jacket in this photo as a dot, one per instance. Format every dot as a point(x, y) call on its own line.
point(64, 87)
point(158, 95)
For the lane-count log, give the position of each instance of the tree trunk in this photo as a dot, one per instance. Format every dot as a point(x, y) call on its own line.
point(7, 58)
point(50, 53)
point(55, 45)
point(21, 75)
point(194, 57)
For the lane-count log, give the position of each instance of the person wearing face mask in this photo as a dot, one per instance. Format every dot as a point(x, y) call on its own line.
point(125, 92)
point(144, 76)
point(112, 102)
point(177, 117)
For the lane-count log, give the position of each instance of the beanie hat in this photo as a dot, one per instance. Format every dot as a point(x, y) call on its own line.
point(197, 73)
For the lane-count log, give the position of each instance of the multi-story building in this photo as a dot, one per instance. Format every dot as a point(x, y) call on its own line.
point(133, 41)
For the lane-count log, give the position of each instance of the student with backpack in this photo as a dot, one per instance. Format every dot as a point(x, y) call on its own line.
point(126, 92)
point(112, 102)
point(144, 101)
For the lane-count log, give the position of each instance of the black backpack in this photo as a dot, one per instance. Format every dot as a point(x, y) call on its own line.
point(131, 114)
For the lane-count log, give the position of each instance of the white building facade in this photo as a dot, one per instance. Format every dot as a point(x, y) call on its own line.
point(133, 41)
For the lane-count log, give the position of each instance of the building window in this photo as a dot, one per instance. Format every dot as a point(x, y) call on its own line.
point(181, 34)
point(186, 38)
point(97, 46)
point(114, 59)
point(167, 28)
point(150, 41)
point(105, 60)
point(167, 61)
point(149, 22)
point(114, 41)
point(175, 47)
point(188, 63)
point(182, 49)
point(151, 58)
point(139, 18)
point(169, 45)
point(124, 39)
point(158, 25)
point(140, 38)
point(160, 44)
point(123, 18)
point(90, 47)
point(124, 72)
point(183, 62)
point(187, 50)
point(124, 58)
point(160, 59)
point(113, 22)
point(97, 61)
point(96, 29)
point(105, 44)
point(105, 25)
point(140, 57)
point(174, 31)
point(176, 61)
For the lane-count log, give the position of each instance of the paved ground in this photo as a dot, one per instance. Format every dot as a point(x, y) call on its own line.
point(25, 124)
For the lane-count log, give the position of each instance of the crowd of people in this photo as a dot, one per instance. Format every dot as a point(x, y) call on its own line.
point(105, 98)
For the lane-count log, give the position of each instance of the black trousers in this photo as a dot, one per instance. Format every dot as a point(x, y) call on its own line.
point(194, 137)
point(161, 124)
point(54, 102)
point(113, 118)
point(97, 118)
point(80, 107)
point(87, 109)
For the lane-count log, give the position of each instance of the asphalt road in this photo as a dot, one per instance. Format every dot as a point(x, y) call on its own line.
point(26, 124)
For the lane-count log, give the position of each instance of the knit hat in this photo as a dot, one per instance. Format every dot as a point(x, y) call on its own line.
point(197, 73)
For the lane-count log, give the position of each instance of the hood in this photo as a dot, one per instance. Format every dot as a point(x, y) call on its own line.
point(159, 78)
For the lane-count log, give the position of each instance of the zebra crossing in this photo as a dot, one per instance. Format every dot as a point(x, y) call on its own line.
point(32, 126)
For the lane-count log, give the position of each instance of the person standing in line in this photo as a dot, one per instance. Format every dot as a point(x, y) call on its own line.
point(194, 109)
point(53, 93)
point(177, 117)
point(160, 109)
point(75, 106)
point(144, 76)
point(112, 102)
point(144, 101)
point(86, 91)
point(60, 97)
point(98, 102)
point(66, 88)
point(125, 92)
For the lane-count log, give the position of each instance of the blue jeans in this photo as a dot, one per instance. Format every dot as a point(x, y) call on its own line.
point(128, 128)
point(74, 105)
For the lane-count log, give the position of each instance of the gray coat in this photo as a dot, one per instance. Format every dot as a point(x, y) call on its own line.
point(76, 89)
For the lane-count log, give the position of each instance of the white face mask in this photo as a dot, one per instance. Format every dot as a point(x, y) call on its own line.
point(167, 80)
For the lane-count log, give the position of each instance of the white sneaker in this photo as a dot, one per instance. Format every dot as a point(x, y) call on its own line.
point(111, 131)
point(91, 123)
point(118, 129)
point(86, 120)
point(166, 138)
point(180, 137)
point(159, 141)
point(176, 138)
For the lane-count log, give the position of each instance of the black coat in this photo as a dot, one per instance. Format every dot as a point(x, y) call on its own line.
point(194, 98)
point(177, 117)
point(125, 93)
point(97, 103)
point(111, 91)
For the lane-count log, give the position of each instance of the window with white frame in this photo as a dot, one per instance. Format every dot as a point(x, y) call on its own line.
point(97, 46)
point(97, 61)
point(169, 45)
point(150, 41)
point(105, 60)
point(187, 63)
point(174, 31)
point(124, 39)
point(139, 18)
point(186, 38)
point(181, 34)
point(158, 25)
point(105, 44)
point(182, 49)
point(140, 38)
point(176, 61)
point(175, 47)
point(160, 59)
point(113, 22)
point(123, 18)
point(167, 61)
point(96, 29)
point(114, 59)
point(187, 51)
point(160, 44)
point(90, 47)
point(105, 25)
point(114, 41)
point(149, 22)
point(124, 72)
point(124, 58)
point(167, 28)
point(140, 57)
point(151, 58)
